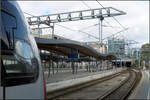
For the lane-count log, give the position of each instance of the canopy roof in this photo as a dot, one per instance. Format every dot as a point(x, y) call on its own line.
point(64, 47)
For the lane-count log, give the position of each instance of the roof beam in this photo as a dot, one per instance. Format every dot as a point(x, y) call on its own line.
point(75, 16)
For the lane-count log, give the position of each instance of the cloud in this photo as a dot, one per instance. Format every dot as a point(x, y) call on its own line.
point(137, 18)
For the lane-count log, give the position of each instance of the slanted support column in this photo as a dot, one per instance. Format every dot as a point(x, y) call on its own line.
point(77, 62)
point(89, 66)
point(72, 61)
point(107, 64)
point(115, 63)
point(49, 68)
point(52, 66)
point(79, 65)
point(76, 67)
point(57, 66)
point(93, 67)
point(120, 63)
point(101, 65)
point(51, 61)
point(111, 64)
point(96, 65)
point(72, 66)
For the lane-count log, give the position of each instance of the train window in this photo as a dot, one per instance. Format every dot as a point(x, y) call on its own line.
point(23, 49)
point(19, 64)
point(8, 27)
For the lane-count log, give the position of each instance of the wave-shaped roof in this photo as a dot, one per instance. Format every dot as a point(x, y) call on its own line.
point(64, 47)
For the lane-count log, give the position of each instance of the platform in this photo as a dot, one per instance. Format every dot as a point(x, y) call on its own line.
point(81, 79)
point(142, 90)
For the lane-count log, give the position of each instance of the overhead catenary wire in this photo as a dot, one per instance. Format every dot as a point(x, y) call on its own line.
point(29, 14)
point(104, 19)
point(77, 31)
point(86, 4)
point(65, 27)
point(112, 16)
point(68, 28)
point(96, 25)
point(90, 8)
point(118, 22)
point(116, 33)
point(72, 29)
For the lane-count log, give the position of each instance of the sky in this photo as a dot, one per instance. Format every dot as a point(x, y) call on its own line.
point(136, 19)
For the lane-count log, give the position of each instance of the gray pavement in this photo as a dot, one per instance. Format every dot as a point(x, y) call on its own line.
point(67, 75)
point(142, 91)
point(148, 73)
point(82, 78)
point(60, 79)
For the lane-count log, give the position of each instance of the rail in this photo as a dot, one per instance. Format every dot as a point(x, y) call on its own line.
point(124, 89)
point(67, 90)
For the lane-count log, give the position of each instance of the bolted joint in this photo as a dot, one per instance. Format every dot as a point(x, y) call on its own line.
point(101, 18)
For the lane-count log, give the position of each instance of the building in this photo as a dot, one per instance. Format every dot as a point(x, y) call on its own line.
point(39, 33)
point(116, 46)
point(135, 53)
point(99, 48)
point(96, 45)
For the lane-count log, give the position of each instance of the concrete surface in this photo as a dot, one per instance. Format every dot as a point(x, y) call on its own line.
point(142, 90)
point(66, 83)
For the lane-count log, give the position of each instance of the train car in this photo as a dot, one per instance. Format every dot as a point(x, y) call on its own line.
point(121, 63)
point(128, 63)
point(21, 75)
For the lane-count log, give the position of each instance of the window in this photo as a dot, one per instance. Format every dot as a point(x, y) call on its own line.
point(19, 64)
point(8, 27)
point(21, 61)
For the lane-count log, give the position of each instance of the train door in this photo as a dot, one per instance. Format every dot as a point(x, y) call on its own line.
point(21, 71)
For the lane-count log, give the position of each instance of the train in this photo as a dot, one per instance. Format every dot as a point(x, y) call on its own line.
point(122, 63)
point(21, 76)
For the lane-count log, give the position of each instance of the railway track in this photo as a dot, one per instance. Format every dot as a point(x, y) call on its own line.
point(109, 87)
point(124, 89)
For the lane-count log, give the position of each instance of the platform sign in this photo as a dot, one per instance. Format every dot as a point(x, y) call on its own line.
point(73, 56)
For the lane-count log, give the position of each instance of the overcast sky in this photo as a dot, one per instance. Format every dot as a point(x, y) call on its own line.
point(136, 19)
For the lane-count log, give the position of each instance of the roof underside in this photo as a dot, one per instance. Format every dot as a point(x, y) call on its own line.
point(64, 47)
